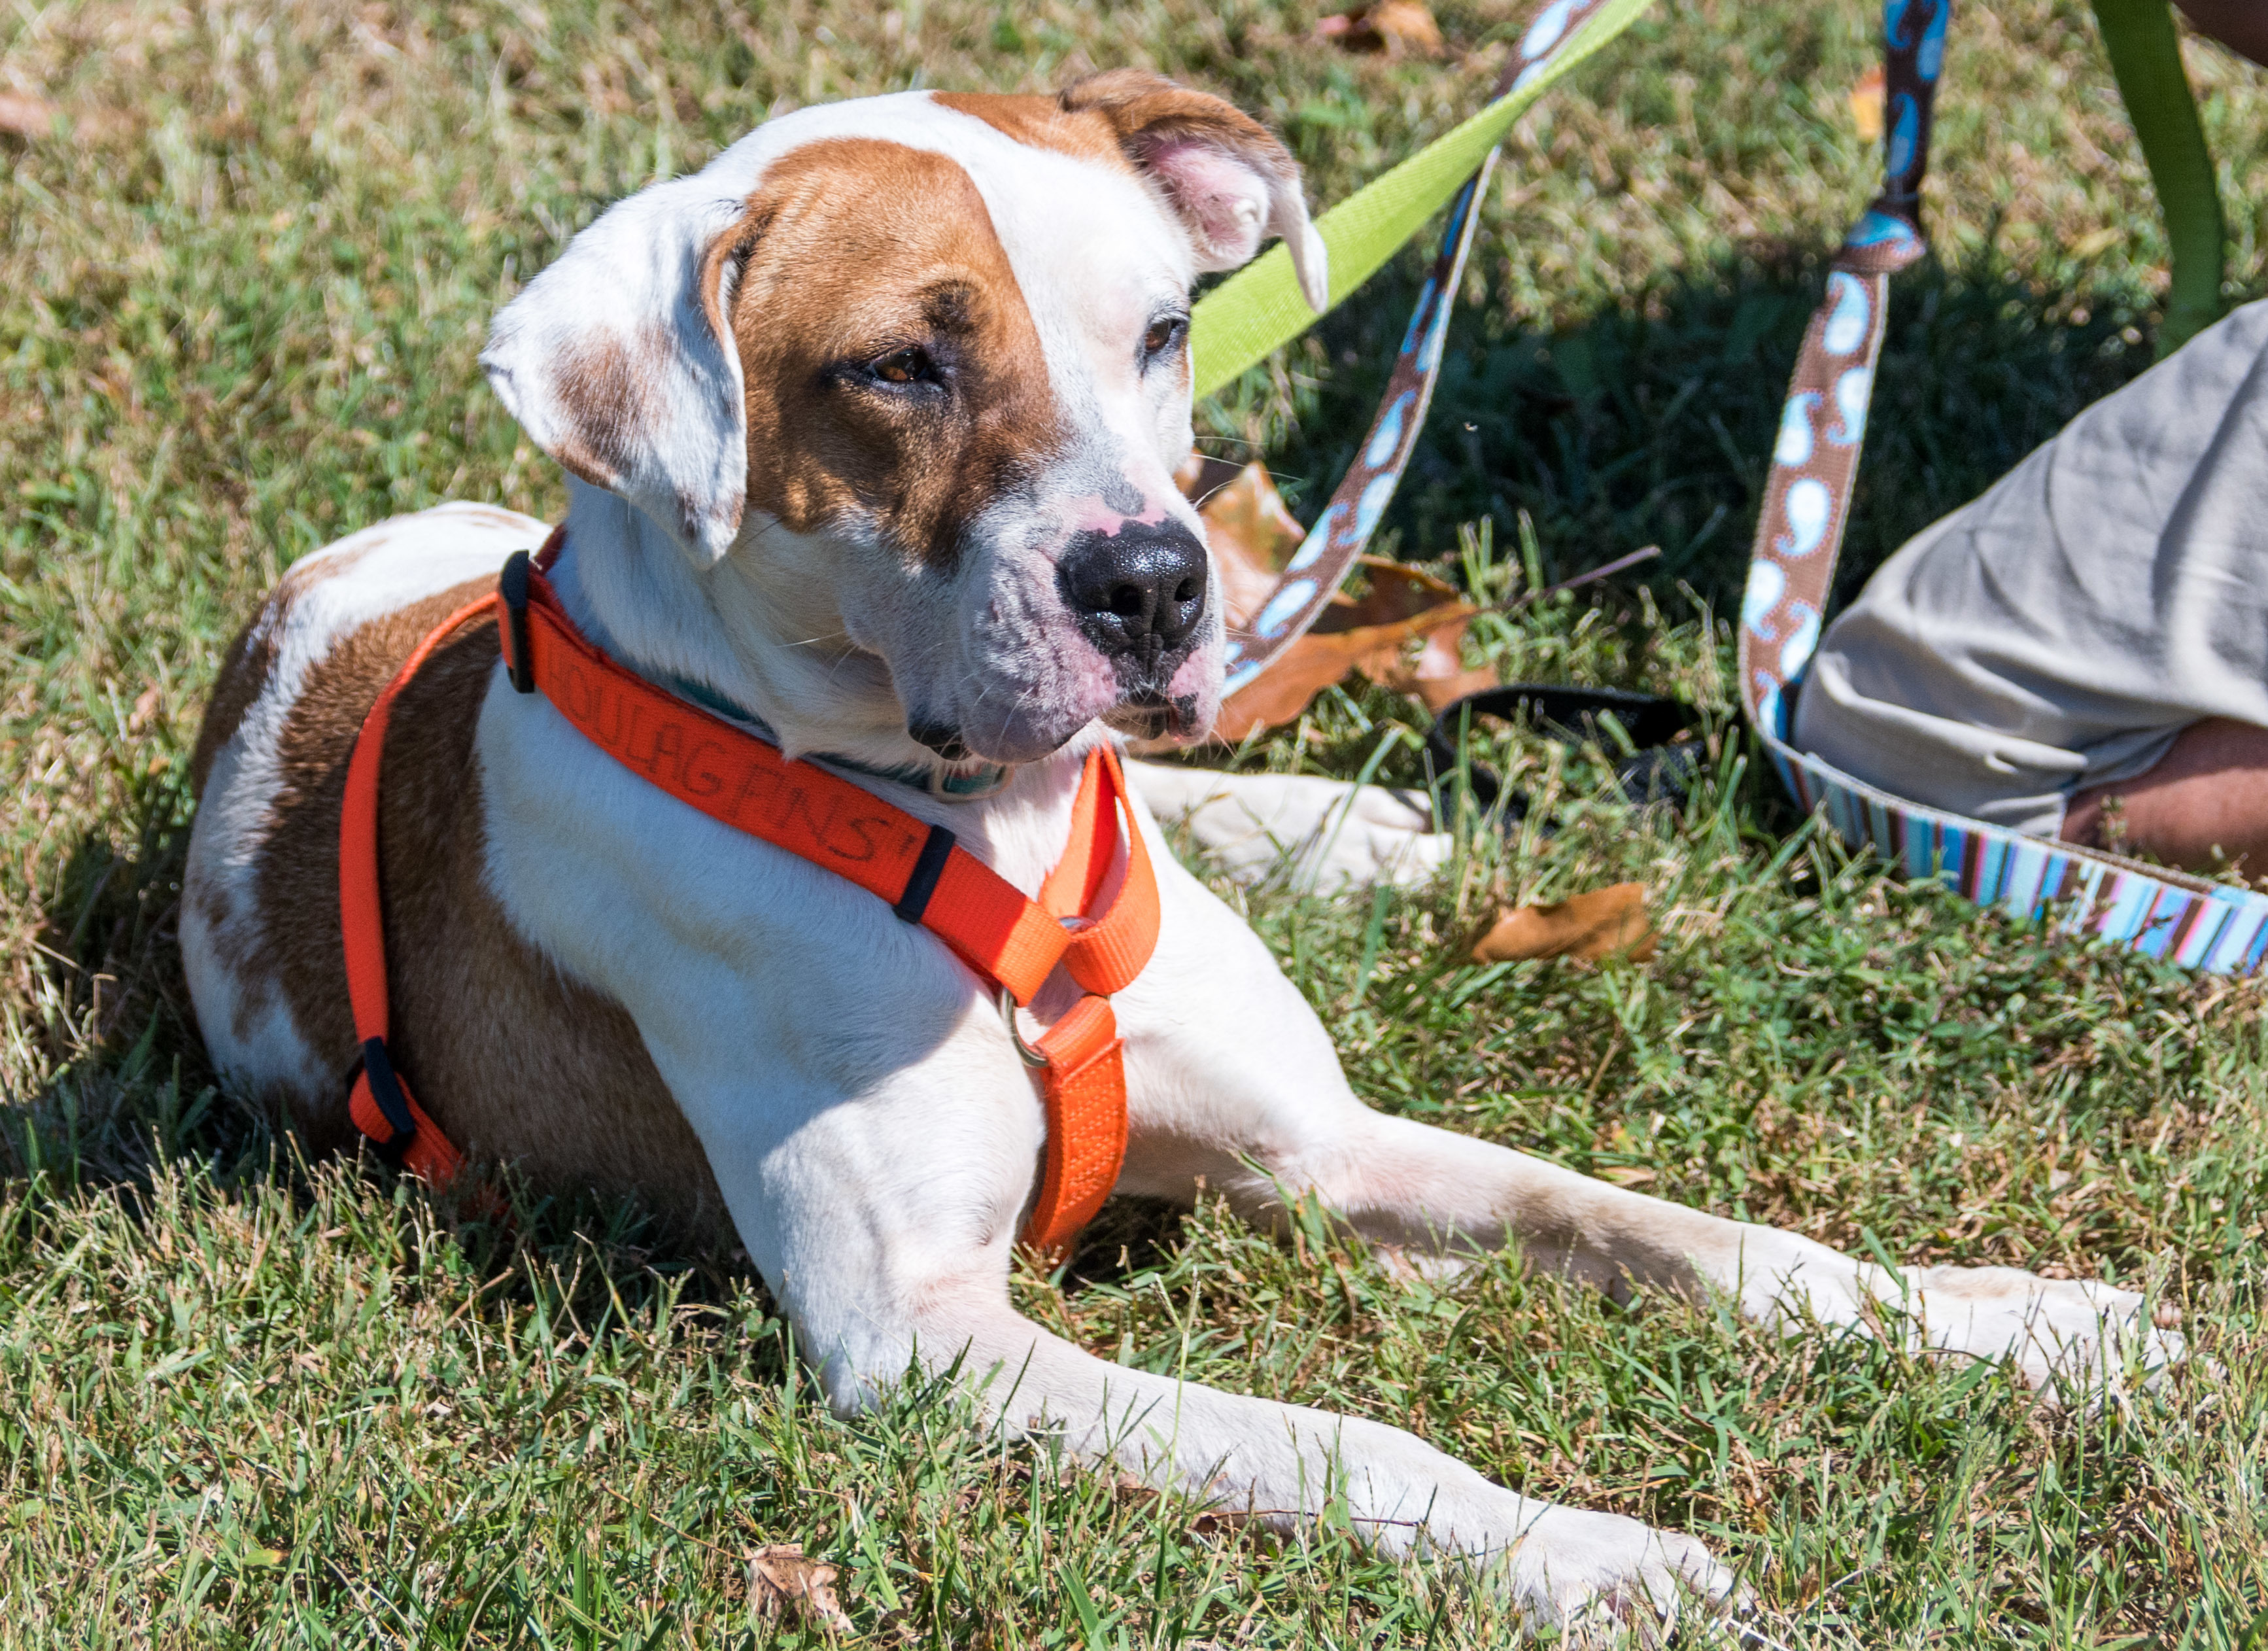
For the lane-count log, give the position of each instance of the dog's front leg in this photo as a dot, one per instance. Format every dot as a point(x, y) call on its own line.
point(1238, 1086)
point(1282, 1462)
point(1409, 1184)
point(894, 1258)
point(881, 1195)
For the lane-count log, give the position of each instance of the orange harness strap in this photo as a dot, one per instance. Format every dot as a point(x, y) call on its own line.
point(380, 1104)
point(742, 781)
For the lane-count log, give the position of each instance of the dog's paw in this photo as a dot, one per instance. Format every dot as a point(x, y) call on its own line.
point(1600, 1577)
point(1376, 837)
point(2067, 1338)
point(1326, 834)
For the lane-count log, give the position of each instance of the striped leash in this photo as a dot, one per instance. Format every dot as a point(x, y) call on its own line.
point(2160, 913)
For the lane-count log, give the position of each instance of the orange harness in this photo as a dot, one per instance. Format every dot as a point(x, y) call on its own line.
point(733, 777)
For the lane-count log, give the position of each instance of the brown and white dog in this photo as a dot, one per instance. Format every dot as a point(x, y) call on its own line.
point(873, 426)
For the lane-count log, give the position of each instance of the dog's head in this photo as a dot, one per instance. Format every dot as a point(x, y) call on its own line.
point(914, 371)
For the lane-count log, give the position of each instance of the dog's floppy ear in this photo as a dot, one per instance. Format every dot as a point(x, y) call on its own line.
point(618, 362)
point(1229, 181)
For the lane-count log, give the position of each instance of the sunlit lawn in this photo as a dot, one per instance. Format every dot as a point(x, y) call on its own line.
point(246, 1400)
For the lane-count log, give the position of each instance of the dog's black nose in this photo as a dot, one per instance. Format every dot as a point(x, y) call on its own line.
point(1140, 589)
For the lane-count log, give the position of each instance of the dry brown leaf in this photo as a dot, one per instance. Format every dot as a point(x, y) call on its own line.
point(23, 115)
point(1439, 677)
point(1323, 657)
point(1398, 592)
point(1370, 634)
point(1396, 27)
point(1866, 104)
point(1252, 532)
point(1393, 592)
point(783, 1581)
point(1601, 923)
point(1201, 474)
point(1282, 691)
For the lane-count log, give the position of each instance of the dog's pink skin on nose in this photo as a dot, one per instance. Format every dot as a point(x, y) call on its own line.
point(1200, 673)
point(1090, 514)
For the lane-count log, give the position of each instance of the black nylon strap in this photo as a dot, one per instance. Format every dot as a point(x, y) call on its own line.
point(1570, 712)
point(927, 869)
point(1658, 769)
point(512, 585)
point(386, 1089)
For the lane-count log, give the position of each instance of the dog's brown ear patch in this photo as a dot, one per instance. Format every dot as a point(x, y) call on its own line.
point(1042, 121)
point(821, 453)
point(1226, 177)
point(609, 387)
point(1145, 111)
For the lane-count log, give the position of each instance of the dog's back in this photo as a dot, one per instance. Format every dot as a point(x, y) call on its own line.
point(260, 926)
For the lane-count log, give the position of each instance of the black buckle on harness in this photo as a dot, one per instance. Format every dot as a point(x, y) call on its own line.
point(512, 585)
point(921, 882)
point(386, 1089)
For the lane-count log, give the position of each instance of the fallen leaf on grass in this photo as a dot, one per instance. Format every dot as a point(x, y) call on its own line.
point(1439, 677)
point(1393, 593)
point(22, 115)
point(1401, 594)
point(1625, 1174)
point(1202, 476)
point(1393, 26)
point(783, 1580)
point(1321, 658)
point(1252, 532)
point(1866, 104)
point(1373, 635)
point(1601, 923)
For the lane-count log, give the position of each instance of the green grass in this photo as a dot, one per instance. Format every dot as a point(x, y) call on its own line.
point(246, 1400)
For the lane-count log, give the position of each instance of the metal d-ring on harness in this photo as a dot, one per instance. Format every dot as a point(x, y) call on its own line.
point(1029, 1056)
point(2160, 913)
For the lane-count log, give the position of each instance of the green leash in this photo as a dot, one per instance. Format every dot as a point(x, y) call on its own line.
point(1259, 309)
point(2145, 59)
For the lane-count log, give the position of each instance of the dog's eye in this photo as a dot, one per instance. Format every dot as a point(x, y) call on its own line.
point(1165, 333)
point(909, 366)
